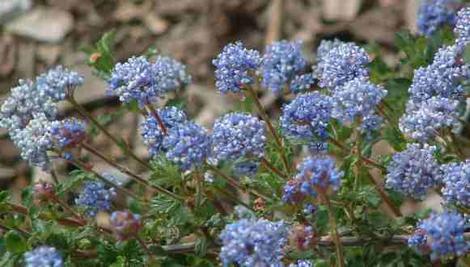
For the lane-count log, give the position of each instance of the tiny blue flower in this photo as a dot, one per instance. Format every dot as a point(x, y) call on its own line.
point(67, 133)
point(238, 135)
point(413, 171)
point(188, 145)
point(281, 62)
point(251, 242)
point(43, 256)
point(356, 99)
point(423, 121)
point(442, 234)
point(143, 81)
point(235, 67)
point(456, 180)
point(306, 118)
point(433, 14)
point(151, 132)
point(340, 62)
point(462, 27)
point(59, 83)
point(95, 197)
point(24, 102)
point(315, 175)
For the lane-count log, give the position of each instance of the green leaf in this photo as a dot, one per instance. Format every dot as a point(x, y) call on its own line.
point(101, 57)
point(15, 243)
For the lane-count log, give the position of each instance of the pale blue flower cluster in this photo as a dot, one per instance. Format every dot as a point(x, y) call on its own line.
point(306, 118)
point(59, 83)
point(442, 78)
point(281, 63)
point(339, 62)
point(413, 171)
point(140, 80)
point(150, 129)
point(433, 14)
point(423, 121)
point(456, 183)
point(235, 66)
point(356, 99)
point(442, 234)
point(95, 197)
point(253, 242)
point(43, 256)
point(462, 27)
point(34, 141)
point(188, 145)
point(315, 175)
point(24, 102)
point(238, 135)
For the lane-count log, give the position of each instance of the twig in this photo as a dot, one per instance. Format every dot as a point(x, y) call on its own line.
point(234, 183)
point(126, 149)
point(273, 132)
point(272, 168)
point(128, 172)
point(334, 228)
point(154, 113)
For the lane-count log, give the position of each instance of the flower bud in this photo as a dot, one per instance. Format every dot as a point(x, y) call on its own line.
point(125, 224)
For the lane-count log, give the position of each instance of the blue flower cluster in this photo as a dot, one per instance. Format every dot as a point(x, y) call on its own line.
point(433, 14)
point(140, 80)
point(413, 171)
point(436, 89)
point(59, 83)
point(43, 256)
point(316, 175)
point(306, 118)
point(251, 242)
point(281, 63)
point(238, 135)
point(339, 62)
point(188, 145)
point(356, 99)
point(95, 197)
point(442, 234)
point(151, 132)
point(442, 78)
point(462, 27)
point(456, 183)
point(235, 66)
point(67, 132)
point(423, 121)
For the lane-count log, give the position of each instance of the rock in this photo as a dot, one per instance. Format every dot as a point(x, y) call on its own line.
point(25, 60)
point(155, 24)
point(11, 8)
point(49, 53)
point(340, 10)
point(7, 55)
point(42, 24)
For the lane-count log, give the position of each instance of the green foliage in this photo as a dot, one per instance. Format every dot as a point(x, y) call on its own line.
point(101, 57)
